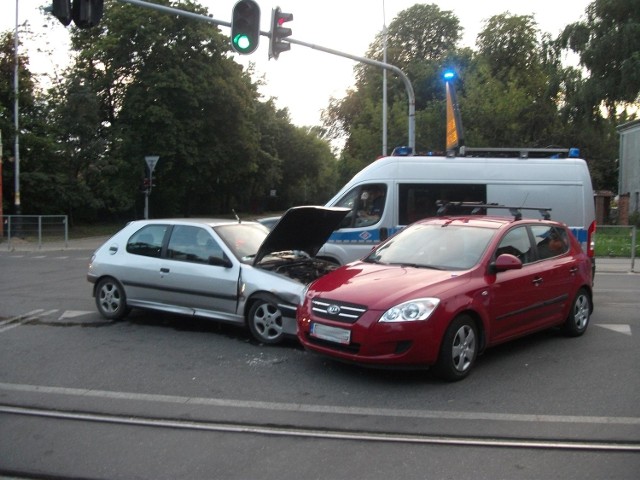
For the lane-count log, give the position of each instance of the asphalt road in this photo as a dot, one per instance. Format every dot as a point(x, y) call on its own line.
point(161, 396)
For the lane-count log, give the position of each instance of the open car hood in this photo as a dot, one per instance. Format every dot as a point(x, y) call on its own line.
point(302, 228)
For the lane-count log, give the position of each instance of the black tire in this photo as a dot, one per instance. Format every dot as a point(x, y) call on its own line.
point(459, 349)
point(578, 320)
point(265, 321)
point(111, 300)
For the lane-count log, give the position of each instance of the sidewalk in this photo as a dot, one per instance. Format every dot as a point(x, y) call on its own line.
point(20, 245)
point(616, 265)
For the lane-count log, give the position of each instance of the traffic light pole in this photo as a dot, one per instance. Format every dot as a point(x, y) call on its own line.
point(410, 92)
point(407, 84)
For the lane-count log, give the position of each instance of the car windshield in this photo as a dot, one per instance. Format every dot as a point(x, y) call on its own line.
point(244, 239)
point(443, 247)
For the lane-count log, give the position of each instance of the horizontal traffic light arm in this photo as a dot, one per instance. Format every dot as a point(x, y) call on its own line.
point(369, 61)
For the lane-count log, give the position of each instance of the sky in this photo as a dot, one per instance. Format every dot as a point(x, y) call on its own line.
point(303, 80)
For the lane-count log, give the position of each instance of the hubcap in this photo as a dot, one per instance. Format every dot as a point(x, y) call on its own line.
point(268, 321)
point(464, 347)
point(581, 312)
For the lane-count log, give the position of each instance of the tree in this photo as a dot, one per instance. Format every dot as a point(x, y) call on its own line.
point(608, 43)
point(507, 99)
point(421, 41)
point(35, 147)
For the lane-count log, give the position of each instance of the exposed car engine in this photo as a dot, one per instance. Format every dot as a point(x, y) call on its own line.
point(297, 265)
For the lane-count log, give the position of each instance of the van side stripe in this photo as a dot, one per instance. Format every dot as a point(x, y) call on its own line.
point(371, 236)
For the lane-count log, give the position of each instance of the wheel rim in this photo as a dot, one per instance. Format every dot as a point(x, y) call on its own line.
point(110, 298)
point(267, 320)
point(464, 348)
point(581, 312)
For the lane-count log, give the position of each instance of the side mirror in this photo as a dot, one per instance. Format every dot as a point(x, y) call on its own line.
point(505, 262)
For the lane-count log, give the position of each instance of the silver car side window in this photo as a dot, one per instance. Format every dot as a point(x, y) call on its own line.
point(147, 241)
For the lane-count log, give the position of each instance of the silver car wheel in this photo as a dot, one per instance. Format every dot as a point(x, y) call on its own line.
point(110, 299)
point(265, 322)
point(464, 348)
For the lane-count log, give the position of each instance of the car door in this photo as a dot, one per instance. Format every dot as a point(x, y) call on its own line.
point(557, 272)
point(140, 267)
point(190, 281)
point(516, 296)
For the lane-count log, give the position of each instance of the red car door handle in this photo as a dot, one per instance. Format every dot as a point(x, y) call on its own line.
point(537, 281)
point(573, 270)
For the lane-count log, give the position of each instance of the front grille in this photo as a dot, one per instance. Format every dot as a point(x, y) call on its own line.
point(337, 311)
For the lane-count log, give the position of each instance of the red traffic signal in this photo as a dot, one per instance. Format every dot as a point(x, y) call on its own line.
point(278, 32)
point(245, 26)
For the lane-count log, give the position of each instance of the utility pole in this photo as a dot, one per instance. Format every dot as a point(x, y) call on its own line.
point(16, 123)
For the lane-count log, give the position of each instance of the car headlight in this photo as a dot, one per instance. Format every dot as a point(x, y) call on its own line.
point(413, 310)
point(303, 295)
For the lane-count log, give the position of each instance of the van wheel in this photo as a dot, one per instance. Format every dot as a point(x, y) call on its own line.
point(459, 350)
point(578, 320)
point(265, 321)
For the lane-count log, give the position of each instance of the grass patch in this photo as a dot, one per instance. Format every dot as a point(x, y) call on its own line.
point(615, 242)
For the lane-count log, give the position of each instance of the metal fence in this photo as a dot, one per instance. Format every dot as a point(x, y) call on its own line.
point(617, 241)
point(34, 230)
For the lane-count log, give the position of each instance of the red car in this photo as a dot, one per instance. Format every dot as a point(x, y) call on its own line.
point(443, 289)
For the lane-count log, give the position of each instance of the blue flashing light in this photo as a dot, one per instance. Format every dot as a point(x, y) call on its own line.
point(402, 152)
point(574, 153)
point(449, 75)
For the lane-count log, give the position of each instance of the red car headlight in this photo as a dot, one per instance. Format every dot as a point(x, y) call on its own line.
point(413, 310)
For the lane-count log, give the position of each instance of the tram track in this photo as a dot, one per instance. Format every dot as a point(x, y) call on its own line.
point(330, 434)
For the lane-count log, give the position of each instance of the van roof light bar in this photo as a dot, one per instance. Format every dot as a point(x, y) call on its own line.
point(477, 208)
point(523, 152)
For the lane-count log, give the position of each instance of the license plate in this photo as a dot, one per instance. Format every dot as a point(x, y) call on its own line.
point(331, 334)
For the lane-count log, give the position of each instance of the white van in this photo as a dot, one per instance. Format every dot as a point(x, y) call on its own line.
point(395, 191)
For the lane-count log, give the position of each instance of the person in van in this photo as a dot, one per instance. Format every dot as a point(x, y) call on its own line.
point(373, 206)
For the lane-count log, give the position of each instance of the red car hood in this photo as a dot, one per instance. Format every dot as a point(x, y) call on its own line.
point(382, 286)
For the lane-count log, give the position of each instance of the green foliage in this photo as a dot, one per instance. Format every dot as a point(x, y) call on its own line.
point(145, 83)
point(608, 42)
point(513, 91)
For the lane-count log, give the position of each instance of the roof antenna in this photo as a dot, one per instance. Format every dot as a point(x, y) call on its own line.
point(236, 215)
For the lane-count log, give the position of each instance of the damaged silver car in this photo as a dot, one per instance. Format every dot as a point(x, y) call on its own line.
point(226, 270)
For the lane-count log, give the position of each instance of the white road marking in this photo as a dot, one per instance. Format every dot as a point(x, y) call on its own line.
point(22, 319)
point(624, 329)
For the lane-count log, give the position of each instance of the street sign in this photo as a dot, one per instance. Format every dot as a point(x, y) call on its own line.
point(151, 161)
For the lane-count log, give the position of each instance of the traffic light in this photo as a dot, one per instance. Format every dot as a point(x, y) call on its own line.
point(87, 13)
point(245, 26)
point(61, 9)
point(84, 13)
point(278, 32)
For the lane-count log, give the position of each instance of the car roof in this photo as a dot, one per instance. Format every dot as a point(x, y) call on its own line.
point(190, 221)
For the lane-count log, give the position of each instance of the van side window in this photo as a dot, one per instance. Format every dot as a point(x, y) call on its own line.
point(147, 241)
point(419, 200)
point(367, 203)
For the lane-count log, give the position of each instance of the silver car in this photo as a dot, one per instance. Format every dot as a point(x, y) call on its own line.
point(227, 270)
